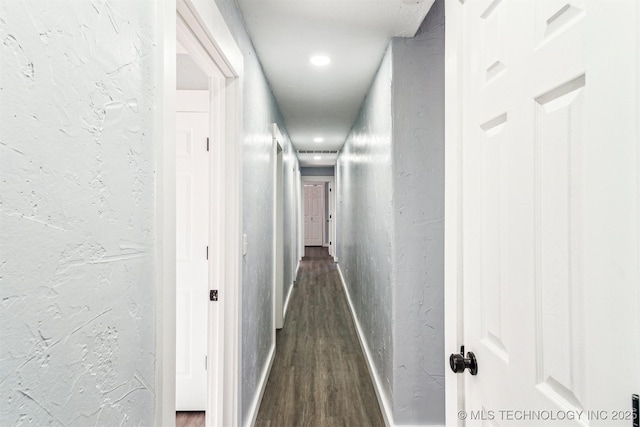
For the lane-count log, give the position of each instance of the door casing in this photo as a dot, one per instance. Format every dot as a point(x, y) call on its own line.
point(454, 108)
point(332, 204)
point(278, 228)
point(218, 48)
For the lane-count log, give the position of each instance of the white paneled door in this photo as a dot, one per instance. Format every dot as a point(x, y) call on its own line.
point(313, 214)
point(192, 232)
point(549, 196)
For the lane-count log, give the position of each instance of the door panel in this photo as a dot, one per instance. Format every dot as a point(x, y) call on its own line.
point(313, 214)
point(559, 125)
point(539, 105)
point(192, 231)
point(307, 215)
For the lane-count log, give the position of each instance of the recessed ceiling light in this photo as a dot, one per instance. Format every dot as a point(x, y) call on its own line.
point(320, 60)
point(318, 139)
point(317, 157)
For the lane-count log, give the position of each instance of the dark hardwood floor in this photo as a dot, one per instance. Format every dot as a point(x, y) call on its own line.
point(319, 376)
point(190, 419)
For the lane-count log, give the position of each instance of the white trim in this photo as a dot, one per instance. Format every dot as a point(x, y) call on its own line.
point(232, 226)
point(332, 223)
point(277, 164)
point(295, 215)
point(205, 21)
point(264, 378)
point(300, 207)
point(383, 400)
point(213, 33)
point(286, 302)
point(453, 313)
point(332, 219)
point(165, 212)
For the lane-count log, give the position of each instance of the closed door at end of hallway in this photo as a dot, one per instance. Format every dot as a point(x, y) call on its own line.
point(313, 218)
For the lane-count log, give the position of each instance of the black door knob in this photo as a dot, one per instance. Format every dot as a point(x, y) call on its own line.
point(459, 363)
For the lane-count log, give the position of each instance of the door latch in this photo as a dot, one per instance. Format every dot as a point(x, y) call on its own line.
point(459, 363)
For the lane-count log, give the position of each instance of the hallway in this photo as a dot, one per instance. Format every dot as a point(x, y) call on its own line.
point(319, 375)
point(480, 172)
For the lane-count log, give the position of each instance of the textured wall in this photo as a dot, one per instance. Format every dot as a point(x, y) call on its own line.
point(260, 111)
point(364, 213)
point(77, 320)
point(418, 192)
point(390, 222)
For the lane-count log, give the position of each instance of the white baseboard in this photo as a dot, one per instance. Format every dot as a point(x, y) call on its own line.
point(383, 400)
point(255, 405)
point(286, 302)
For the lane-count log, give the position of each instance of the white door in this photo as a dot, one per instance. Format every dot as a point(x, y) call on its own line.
point(307, 215)
point(549, 196)
point(313, 214)
point(192, 228)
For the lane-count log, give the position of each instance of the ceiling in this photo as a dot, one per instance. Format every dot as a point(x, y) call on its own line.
point(323, 101)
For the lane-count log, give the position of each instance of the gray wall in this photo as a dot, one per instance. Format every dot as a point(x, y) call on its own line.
point(260, 111)
point(317, 171)
point(364, 220)
point(418, 192)
point(77, 213)
point(391, 175)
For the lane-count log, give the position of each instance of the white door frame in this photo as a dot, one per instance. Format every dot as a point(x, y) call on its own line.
point(278, 223)
point(453, 319)
point(299, 189)
point(332, 220)
point(207, 24)
point(332, 194)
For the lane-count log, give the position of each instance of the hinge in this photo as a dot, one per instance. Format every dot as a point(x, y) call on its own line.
point(207, 252)
point(205, 362)
point(207, 143)
point(213, 295)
